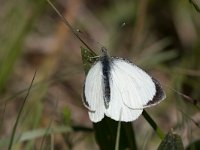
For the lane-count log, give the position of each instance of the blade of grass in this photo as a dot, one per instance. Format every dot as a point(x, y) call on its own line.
point(30, 135)
point(118, 132)
point(49, 126)
point(13, 32)
point(69, 25)
point(118, 136)
point(34, 134)
point(196, 4)
point(190, 118)
point(20, 112)
point(52, 142)
point(46, 133)
point(8, 99)
point(186, 98)
point(2, 115)
point(153, 124)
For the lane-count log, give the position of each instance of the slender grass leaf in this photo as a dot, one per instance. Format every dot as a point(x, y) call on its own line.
point(13, 33)
point(30, 135)
point(118, 136)
point(34, 134)
point(49, 127)
point(153, 124)
point(196, 4)
point(19, 114)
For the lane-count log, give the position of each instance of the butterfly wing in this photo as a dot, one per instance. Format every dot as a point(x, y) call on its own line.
point(159, 95)
point(120, 87)
point(131, 90)
point(93, 92)
point(135, 87)
point(117, 109)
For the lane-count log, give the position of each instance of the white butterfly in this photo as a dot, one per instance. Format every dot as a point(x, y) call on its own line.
point(117, 88)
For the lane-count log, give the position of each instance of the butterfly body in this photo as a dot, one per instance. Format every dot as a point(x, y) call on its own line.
point(105, 62)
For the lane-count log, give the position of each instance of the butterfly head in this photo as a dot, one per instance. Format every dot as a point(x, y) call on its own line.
point(104, 51)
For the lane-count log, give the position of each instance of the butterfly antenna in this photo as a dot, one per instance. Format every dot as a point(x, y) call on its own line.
point(114, 36)
point(69, 25)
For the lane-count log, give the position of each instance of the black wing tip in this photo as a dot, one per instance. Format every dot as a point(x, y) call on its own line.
point(159, 95)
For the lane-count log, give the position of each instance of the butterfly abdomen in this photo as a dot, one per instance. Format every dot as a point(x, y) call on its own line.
point(106, 79)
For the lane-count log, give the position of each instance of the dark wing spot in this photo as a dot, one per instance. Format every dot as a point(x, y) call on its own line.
point(159, 95)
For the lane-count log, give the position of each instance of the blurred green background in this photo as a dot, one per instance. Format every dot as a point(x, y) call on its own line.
point(162, 37)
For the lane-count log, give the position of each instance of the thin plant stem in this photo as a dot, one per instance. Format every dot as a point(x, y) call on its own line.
point(20, 112)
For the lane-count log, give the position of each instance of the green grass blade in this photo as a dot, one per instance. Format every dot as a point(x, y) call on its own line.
point(153, 124)
point(19, 114)
point(49, 126)
point(33, 134)
point(118, 136)
point(13, 33)
point(196, 4)
point(2, 113)
point(69, 25)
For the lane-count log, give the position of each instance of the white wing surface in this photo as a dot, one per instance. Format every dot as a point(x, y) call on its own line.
point(93, 92)
point(117, 109)
point(131, 90)
point(132, 85)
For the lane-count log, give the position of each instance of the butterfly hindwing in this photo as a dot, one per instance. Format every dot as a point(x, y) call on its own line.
point(117, 110)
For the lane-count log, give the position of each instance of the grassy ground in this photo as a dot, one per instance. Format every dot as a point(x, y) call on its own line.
point(162, 37)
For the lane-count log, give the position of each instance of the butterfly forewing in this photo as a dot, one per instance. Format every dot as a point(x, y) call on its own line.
point(136, 87)
point(159, 95)
point(93, 92)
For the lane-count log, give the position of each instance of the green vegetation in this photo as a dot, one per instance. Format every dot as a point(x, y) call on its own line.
point(162, 37)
